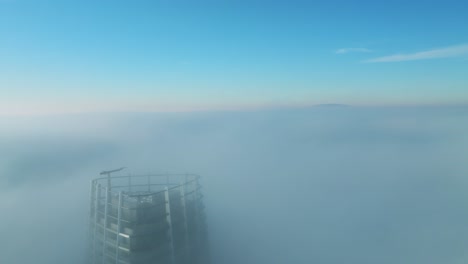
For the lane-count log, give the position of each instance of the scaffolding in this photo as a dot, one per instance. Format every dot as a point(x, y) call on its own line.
point(157, 218)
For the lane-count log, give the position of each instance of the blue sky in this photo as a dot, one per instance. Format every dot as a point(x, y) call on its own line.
point(74, 56)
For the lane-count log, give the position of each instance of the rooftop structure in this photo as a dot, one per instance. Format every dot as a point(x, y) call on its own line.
point(147, 219)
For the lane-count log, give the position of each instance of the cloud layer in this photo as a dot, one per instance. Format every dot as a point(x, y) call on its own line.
point(349, 50)
point(326, 185)
point(447, 52)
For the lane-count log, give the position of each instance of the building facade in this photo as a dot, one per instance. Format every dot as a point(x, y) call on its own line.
point(147, 219)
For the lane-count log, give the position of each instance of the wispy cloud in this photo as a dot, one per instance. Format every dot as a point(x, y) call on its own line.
point(447, 52)
point(349, 50)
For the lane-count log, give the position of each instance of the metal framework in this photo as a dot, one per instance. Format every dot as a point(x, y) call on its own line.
point(144, 219)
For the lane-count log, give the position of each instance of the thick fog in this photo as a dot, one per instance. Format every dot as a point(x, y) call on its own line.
point(328, 185)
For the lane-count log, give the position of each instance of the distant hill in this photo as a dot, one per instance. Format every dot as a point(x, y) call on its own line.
point(332, 105)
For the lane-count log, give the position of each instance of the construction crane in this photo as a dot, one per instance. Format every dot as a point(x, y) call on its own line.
point(108, 173)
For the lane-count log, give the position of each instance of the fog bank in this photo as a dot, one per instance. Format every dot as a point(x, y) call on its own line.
point(326, 185)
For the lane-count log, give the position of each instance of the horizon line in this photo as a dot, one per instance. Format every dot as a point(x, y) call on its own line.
point(227, 109)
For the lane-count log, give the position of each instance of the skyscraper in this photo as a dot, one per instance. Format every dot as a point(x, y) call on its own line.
point(147, 219)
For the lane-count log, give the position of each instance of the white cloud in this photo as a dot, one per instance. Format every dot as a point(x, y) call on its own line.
point(447, 52)
point(348, 50)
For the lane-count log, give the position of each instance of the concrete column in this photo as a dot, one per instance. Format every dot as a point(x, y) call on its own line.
point(105, 225)
point(97, 195)
point(119, 216)
point(184, 212)
point(169, 221)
